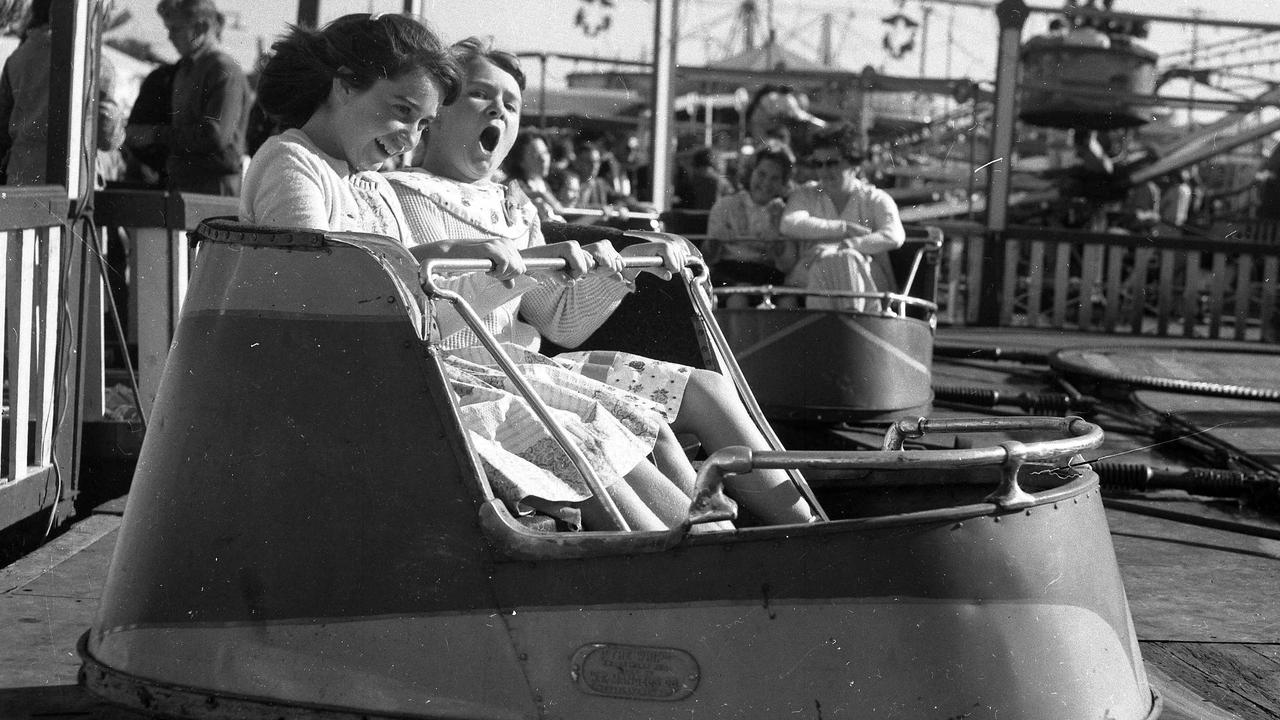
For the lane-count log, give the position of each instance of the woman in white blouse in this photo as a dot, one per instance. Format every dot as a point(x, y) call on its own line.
point(849, 224)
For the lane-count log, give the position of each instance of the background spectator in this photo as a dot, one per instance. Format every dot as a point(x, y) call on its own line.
point(850, 224)
point(564, 185)
point(593, 191)
point(705, 183)
point(1175, 202)
point(527, 165)
point(744, 243)
point(562, 154)
point(210, 104)
point(145, 164)
point(24, 107)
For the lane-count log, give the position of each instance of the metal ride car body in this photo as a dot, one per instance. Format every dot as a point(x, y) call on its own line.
point(310, 534)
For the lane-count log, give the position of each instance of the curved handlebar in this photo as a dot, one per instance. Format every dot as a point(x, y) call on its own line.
point(1081, 434)
point(461, 265)
point(1010, 455)
point(435, 266)
point(770, 291)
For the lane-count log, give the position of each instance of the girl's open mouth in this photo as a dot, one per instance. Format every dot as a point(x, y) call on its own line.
point(489, 138)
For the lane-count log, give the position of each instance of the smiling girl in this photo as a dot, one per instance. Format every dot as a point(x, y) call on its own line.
point(352, 95)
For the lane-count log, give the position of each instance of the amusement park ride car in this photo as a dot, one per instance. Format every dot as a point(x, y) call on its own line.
point(326, 543)
point(839, 366)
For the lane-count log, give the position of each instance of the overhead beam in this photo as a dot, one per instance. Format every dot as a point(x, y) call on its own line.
point(1192, 154)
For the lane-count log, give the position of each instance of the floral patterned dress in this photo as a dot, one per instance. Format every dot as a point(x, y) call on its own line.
point(612, 403)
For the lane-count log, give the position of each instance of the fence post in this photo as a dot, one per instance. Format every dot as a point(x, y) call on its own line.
point(990, 290)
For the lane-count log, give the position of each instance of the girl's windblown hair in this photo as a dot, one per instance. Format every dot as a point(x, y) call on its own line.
point(358, 49)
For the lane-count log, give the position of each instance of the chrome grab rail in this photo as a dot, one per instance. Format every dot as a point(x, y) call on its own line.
point(458, 265)
point(1009, 455)
point(888, 300)
point(608, 212)
point(770, 291)
point(699, 289)
point(426, 275)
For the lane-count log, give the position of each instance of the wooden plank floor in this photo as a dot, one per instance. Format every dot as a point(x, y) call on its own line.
point(1203, 599)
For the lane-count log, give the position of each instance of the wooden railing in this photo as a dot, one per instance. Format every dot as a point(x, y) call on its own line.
point(40, 284)
point(1221, 286)
point(159, 266)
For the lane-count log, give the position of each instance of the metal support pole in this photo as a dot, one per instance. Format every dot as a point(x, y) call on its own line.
point(1195, 52)
point(542, 90)
point(864, 88)
point(664, 70)
point(924, 40)
point(1012, 15)
point(308, 13)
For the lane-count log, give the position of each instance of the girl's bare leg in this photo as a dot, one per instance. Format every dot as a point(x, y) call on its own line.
point(672, 461)
point(659, 494)
point(648, 500)
point(712, 410)
point(668, 501)
point(633, 509)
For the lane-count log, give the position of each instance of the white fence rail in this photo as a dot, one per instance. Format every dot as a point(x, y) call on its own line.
point(40, 333)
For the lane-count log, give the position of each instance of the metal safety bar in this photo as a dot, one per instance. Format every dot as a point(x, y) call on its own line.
point(885, 298)
point(1010, 455)
point(931, 242)
point(608, 212)
point(459, 265)
point(476, 324)
point(698, 287)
